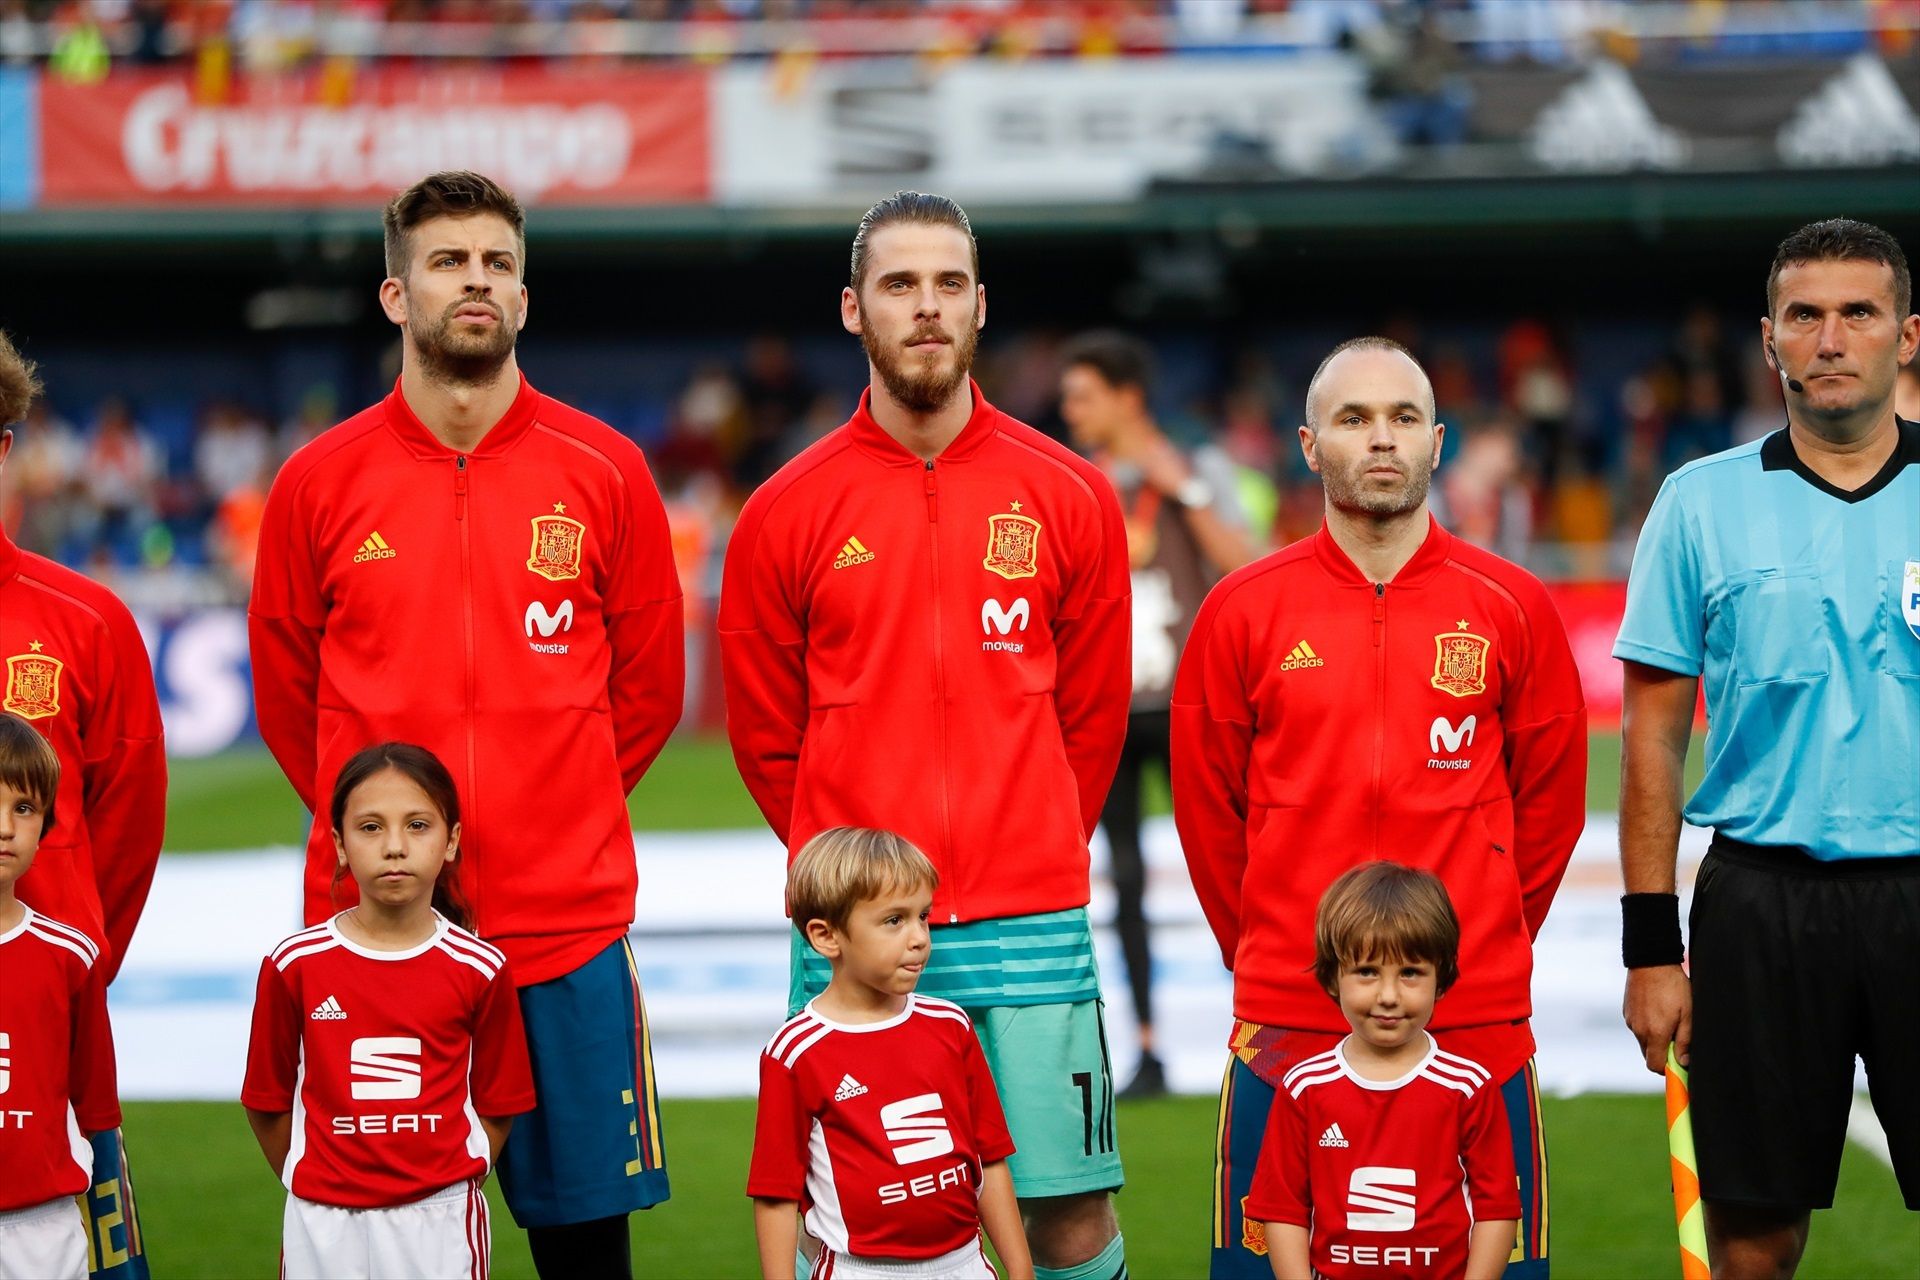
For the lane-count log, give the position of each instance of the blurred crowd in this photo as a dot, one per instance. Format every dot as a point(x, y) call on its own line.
point(1411, 43)
point(1544, 462)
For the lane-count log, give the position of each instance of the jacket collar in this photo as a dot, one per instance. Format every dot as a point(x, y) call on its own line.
point(872, 438)
point(1435, 551)
point(501, 437)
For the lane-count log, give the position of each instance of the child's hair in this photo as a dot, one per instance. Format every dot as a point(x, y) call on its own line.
point(29, 764)
point(422, 768)
point(843, 867)
point(1382, 911)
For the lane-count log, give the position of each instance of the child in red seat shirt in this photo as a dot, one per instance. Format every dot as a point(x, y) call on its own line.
point(1387, 1157)
point(388, 1058)
point(56, 1052)
point(878, 1116)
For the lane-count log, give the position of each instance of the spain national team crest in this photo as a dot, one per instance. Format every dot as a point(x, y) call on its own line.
point(1910, 597)
point(33, 685)
point(557, 543)
point(1013, 545)
point(1253, 1233)
point(1460, 663)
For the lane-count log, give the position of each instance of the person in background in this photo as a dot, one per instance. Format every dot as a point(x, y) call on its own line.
point(1184, 532)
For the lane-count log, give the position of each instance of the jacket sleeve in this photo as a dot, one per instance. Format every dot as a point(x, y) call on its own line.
point(1545, 718)
point(93, 1088)
point(1093, 647)
point(286, 616)
point(646, 628)
point(125, 781)
point(1213, 723)
point(763, 663)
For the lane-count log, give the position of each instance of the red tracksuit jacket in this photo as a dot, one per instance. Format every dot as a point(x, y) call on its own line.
point(934, 648)
point(74, 665)
point(515, 611)
point(1321, 720)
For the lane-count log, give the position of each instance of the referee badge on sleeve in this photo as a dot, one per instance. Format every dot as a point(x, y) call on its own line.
point(1910, 597)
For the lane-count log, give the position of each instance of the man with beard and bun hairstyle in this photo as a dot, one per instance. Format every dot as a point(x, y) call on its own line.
point(72, 665)
point(1378, 690)
point(475, 567)
point(923, 629)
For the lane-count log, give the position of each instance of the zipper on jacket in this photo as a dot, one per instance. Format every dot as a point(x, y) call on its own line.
point(471, 881)
point(940, 688)
point(1379, 706)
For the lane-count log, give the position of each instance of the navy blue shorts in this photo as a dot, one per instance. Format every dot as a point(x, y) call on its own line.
point(115, 1248)
point(591, 1148)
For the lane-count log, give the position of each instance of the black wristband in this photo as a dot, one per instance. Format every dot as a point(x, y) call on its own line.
point(1650, 930)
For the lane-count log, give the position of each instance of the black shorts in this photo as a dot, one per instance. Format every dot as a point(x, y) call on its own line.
point(1798, 967)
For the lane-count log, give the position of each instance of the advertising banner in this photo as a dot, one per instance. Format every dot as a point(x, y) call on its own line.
point(980, 130)
point(563, 136)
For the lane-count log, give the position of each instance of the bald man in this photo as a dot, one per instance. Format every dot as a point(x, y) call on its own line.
point(1380, 690)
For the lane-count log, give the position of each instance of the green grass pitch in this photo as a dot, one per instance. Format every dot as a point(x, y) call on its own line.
point(211, 1209)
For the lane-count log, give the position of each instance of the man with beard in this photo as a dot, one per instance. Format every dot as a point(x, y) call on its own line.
point(923, 629)
point(1378, 690)
point(476, 568)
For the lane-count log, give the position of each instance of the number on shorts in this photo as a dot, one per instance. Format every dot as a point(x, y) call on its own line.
point(1091, 1131)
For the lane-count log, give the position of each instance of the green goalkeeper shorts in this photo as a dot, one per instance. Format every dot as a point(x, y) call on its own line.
point(1050, 1065)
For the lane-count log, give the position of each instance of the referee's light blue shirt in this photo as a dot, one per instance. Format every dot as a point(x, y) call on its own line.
point(1799, 605)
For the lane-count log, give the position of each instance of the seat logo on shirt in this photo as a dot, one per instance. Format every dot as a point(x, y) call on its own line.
point(1380, 1198)
point(557, 543)
point(6, 1063)
point(374, 548)
point(1302, 656)
point(852, 552)
point(386, 1067)
point(1910, 597)
point(1013, 545)
point(33, 684)
point(1460, 662)
point(916, 1128)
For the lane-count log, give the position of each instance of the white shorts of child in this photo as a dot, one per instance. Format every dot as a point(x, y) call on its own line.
point(445, 1236)
point(44, 1242)
point(968, 1262)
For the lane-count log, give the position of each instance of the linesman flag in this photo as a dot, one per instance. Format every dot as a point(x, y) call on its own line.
point(1687, 1211)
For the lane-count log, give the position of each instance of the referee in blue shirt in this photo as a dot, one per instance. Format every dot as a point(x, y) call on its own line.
point(1786, 573)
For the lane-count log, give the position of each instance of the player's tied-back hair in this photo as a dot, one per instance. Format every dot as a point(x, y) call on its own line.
point(18, 385)
point(29, 765)
point(1843, 240)
point(1383, 913)
point(910, 207)
point(842, 867)
point(454, 193)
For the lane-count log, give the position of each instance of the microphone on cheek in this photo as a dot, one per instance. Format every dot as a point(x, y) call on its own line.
point(1794, 385)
